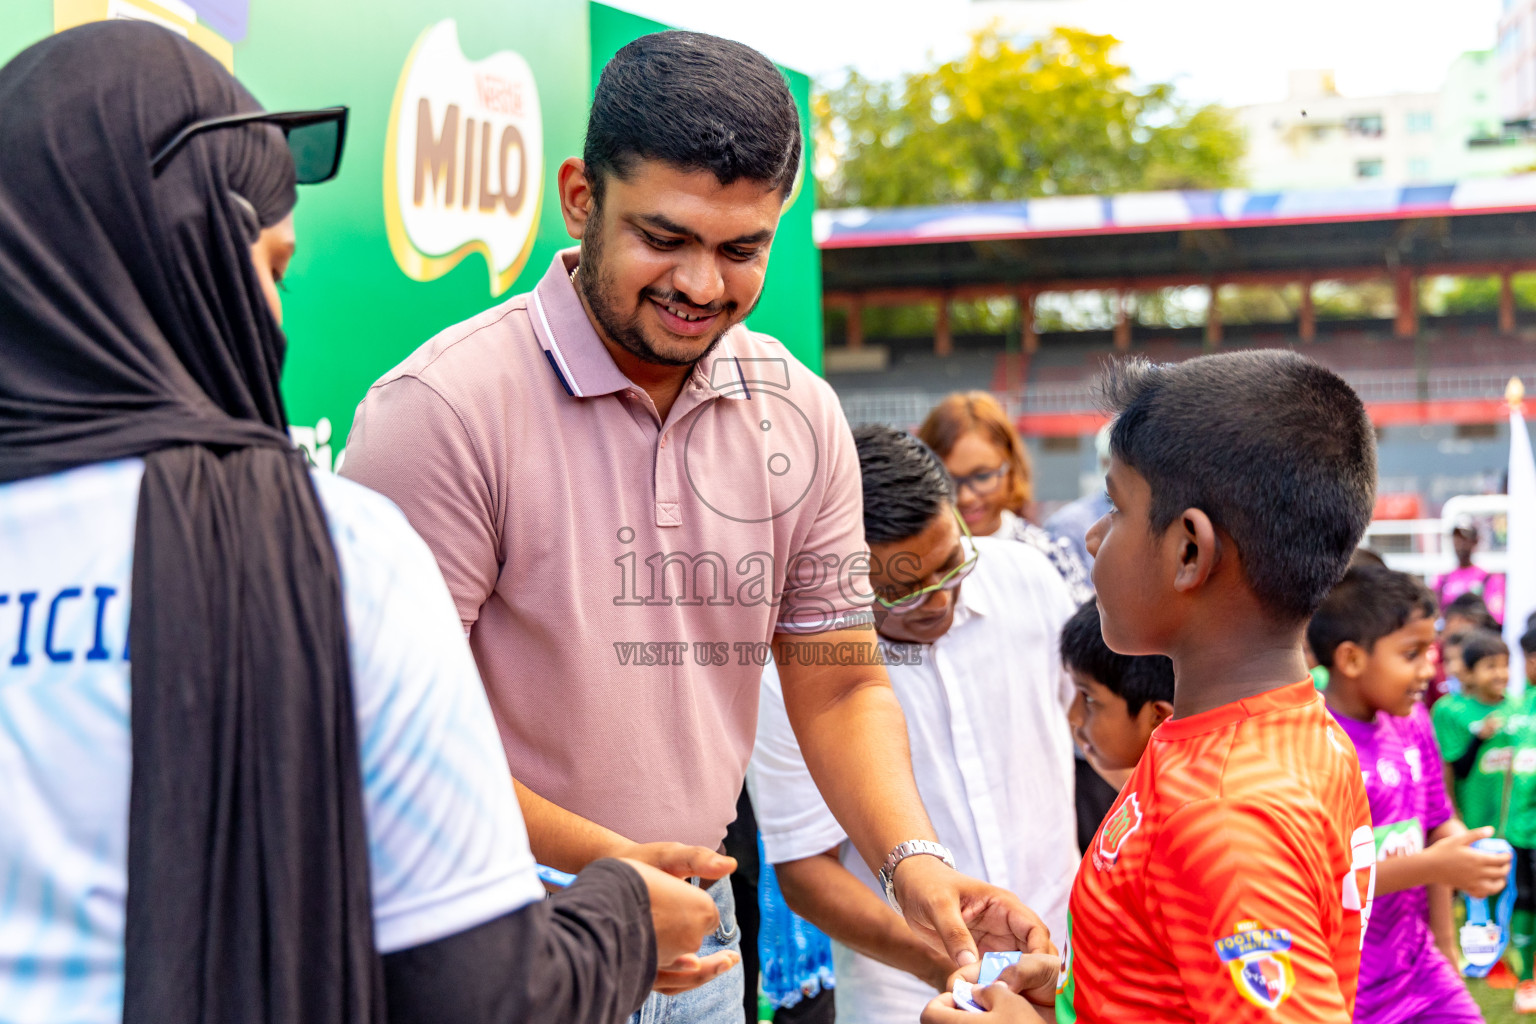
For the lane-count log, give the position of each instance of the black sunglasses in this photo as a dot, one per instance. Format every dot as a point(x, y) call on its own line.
point(314, 137)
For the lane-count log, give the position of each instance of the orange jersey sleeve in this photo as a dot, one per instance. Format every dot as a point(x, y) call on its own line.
point(1263, 904)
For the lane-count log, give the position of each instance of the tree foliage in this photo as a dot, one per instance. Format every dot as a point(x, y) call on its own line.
point(1465, 295)
point(1009, 120)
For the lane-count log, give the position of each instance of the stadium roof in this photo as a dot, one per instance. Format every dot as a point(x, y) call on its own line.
point(1475, 226)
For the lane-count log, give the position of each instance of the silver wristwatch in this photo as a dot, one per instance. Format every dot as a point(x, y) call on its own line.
point(910, 848)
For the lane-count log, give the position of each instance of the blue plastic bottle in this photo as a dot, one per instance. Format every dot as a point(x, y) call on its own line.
point(1484, 939)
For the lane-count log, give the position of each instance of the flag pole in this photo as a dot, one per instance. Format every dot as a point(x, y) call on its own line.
point(1520, 579)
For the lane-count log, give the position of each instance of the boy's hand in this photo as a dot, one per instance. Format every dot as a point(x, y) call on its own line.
point(1475, 872)
point(1035, 976)
point(1487, 727)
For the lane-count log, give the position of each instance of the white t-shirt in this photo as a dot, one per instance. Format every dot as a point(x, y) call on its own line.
point(991, 752)
point(446, 841)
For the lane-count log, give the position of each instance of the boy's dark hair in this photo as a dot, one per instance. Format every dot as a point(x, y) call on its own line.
point(1138, 679)
point(1471, 607)
point(697, 102)
point(905, 484)
point(1275, 448)
point(1481, 644)
point(1369, 602)
point(1528, 641)
point(1365, 556)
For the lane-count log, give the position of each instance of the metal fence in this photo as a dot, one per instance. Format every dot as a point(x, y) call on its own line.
point(906, 407)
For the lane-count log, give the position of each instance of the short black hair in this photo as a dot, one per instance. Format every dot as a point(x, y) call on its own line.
point(1472, 607)
point(1528, 641)
point(1136, 678)
point(1480, 645)
point(697, 102)
point(1365, 556)
point(905, 484)
point(1369, 602)
point(1275, 448)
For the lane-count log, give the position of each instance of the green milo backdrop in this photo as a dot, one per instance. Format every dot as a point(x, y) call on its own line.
point(461, 113)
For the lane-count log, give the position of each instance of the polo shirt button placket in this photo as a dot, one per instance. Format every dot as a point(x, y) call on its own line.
point(668, 512)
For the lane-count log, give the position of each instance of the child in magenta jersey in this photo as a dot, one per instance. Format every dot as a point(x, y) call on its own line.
point(1374, 633)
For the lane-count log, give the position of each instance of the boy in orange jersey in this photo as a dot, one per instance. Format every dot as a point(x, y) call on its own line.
point(1232, 880)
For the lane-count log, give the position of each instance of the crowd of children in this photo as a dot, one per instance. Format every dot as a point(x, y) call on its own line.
point(1281, 845)
point(1276, 852)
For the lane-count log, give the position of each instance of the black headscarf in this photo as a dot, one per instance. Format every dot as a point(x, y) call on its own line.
point(132, 323)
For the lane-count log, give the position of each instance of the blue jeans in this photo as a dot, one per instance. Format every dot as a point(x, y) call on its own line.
point(718, 1002)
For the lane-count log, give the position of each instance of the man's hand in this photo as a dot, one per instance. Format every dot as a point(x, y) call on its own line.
point(680, 860)
point(960, 914)
point(682, 915)
point(1475, 872)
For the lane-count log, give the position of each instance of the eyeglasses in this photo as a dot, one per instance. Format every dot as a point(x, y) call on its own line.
point(983, 483)
point(314, 138)
point(952, 579)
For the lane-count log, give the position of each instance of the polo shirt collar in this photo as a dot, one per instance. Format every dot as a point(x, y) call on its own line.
point(583, 365)
point(575, 353)
point(975, 601)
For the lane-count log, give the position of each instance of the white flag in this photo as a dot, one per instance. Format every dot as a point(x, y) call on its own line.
point(1520, 585)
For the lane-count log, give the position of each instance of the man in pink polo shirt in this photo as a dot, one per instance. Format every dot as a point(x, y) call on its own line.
point(634, 499)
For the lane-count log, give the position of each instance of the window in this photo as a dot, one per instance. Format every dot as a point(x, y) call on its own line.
point(1368, 168)
point(1420, 121)
point(1418, 169)
point(1366, 125)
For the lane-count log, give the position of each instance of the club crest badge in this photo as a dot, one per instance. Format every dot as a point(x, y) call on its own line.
point(1260, 962)
point(1125, 820)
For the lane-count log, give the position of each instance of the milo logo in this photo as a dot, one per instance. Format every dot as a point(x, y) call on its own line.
point(1118, 827)
point(463, 160)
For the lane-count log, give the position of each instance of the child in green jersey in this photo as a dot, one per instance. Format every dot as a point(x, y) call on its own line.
point(1528, 648)
point(1467, 722)
point(1489, 746)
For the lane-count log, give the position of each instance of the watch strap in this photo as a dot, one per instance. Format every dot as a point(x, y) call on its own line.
point(910, 848)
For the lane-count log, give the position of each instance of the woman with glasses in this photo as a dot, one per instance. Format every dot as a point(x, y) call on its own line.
point(274, 792)
point(983, 452)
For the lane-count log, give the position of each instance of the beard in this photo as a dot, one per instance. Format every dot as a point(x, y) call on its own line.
point(597, 287)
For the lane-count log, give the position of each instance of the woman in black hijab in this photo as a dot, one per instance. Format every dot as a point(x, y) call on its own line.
point(138, 318)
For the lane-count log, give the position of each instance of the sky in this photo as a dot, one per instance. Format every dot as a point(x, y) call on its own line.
point(1216, 51)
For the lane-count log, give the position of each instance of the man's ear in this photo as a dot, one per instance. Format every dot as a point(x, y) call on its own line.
point(1349, 660)
point(1197, 550)
point(576, 198)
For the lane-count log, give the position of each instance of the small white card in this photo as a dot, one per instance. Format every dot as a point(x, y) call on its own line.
point(962, 994)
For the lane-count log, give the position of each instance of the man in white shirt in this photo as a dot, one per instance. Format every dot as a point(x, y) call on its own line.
point(978, 674)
